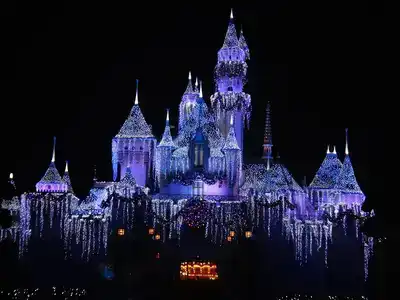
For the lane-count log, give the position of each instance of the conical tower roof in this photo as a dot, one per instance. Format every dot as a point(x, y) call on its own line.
point(67, 179)
point(328, 173)
point(135, 126)
point(243, 44)
point(231, 141)
point(52, 181)
point(347, 181)
point(231, 37)
point(166, 140)
point(189, 88)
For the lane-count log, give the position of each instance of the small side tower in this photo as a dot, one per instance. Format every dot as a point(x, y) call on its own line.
point(347, 186)
point(134, 146)
point(233, 161)
point(164, 153)
point(52, 182)
point(188, 102)
point(67, 179)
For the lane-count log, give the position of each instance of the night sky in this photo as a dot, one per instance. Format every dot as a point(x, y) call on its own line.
point(69, 71)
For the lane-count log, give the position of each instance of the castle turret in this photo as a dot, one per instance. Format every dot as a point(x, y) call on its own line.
point(67, 179)
point(347, 185)
point(243, 44)
point(52, 182)
point(164, 152)
point(326, 177)
point(267, 146)
point(233, 156)
point(134, 146)
point(188, 102)
point(230, 76)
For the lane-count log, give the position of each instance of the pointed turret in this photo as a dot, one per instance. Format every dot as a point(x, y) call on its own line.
point(67, 179)
point(166, 140)
point(52, 181)
point(196, 85)
point(243, 44)
point(267, 152)
point(231, 141)
point(189, 88)
point(347, 181)
point(328, 172)
point(135, 126)
point(231, 39)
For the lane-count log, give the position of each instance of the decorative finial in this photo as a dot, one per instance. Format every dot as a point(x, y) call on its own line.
point(231, 121)
point(190, 75)
point(346, 150)
point(53, 159)
point(11, 176)
point(334, 150)
point(201, 90)
point(328, 150)
point(66, 166)
point(137, 92)
point(231, 14)
point(167, 119)
point(197, 82)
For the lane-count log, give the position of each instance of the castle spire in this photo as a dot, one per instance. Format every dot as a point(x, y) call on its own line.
point(137, 92)
point(189, 88)
point(243, 44)
point(201, 90)
point(231, 38)
point(346, 150)
point(166, 140)
point(334, 150)
point(196, 85)
point(11, 176)
point(267, 152)
point(52, 182)
point(67, 179)
point(328, 150)
point(53, 158)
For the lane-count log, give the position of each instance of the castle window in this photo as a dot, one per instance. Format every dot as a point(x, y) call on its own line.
point(198, 155)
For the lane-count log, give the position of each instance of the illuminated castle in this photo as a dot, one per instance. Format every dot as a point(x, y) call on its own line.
point(205, 158)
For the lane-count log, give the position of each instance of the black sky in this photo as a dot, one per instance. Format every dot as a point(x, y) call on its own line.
point(69, 70)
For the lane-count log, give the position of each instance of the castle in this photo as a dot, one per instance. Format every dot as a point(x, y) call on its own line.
point(205, 158)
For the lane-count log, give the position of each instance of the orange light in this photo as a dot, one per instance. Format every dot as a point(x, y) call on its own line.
point(248, 234)
point(151, 231)
point(121, 232)
point(229, 238)
point(157, 237)
point(231, 233)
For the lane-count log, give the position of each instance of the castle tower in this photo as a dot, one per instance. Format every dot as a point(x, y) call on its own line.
point(349, 191)
point(164, 152)
point(188, 101)
point(230, 77)
point(233, 156)
point(267, 146)
point(134, 146)
point(52, 182)
point(67, 179)
point(325, 179)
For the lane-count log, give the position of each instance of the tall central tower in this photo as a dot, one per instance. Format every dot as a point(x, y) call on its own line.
point(230, 77)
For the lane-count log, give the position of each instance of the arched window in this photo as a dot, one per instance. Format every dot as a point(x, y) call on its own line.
point(198, 155)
